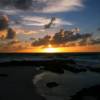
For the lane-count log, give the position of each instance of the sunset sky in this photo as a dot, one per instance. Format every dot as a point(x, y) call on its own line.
point(76, 27)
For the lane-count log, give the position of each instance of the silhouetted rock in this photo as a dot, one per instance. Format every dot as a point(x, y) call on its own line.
point(52, 84)
point(94, 69)
point(93, 91)
point(3, 75)
point(54, 68)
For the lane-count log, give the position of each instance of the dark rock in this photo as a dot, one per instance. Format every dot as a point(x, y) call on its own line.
point(3, 75)
point(93, 91)
point(95, 69)
point(74, 69)
point(71, 61)
point(52, 84)
point(55, 69)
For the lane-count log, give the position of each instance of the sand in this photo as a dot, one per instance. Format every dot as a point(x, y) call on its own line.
point(16, 84)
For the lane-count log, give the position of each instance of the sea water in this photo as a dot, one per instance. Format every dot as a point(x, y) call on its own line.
point(90, 58)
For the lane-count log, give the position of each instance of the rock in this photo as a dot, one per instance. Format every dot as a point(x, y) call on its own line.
point(52, 84)
point(55, 69)
point(3, 75)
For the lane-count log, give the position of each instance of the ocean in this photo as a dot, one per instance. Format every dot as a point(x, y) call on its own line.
point(89, 58)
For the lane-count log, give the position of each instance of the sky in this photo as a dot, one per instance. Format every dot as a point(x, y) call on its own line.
point(23, 24)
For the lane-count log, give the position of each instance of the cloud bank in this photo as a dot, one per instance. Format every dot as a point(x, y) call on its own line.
point(42, 6)
point(3, 22)
point(67, 39)
point(22, 12)
point(4, 25)
point(41, 21)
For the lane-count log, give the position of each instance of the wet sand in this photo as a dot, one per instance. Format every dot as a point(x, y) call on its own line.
point(16, 84)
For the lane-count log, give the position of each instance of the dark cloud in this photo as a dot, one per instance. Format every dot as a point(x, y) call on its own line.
point(43, 6)
point(23, 4)
point(4, 2)
point(95, 41)
point(98, 29)
point(89, 41)
point(67, 38)
point(83, 42)
point(13, 42)
point(43, 41)
point(11, 34)
point(20, 4)
point(50, 23)
point(4, 25)
point(3, 22)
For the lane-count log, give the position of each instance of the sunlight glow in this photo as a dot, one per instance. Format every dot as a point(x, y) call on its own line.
point(51, 49)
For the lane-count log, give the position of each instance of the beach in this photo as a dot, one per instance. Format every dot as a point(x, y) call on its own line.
point(48, 77)
point(16, 84)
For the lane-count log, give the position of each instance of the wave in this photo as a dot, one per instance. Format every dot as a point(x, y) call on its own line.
point(81, 59)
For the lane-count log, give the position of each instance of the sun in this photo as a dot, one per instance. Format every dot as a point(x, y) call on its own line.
point(51, 49)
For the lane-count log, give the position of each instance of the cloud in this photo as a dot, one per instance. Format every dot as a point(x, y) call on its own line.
point(60, 21)
point(43, 41)
point(98, 29)
point(11, 34)
point(42, 6)
point(91, 41)
point(83, 42)
point(41, 21)
point(20, 4)
point(13, 45)
point(61, 5)
point(95, 41)
point(4, 25)
point(67, 38)
point(22, 13)
point(34, 20)
point(35, 24)
point(3, 22)
point(23, 4)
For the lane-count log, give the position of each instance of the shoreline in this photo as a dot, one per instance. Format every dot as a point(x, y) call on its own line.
point(16, 83)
